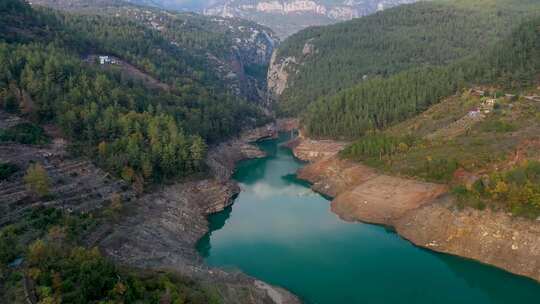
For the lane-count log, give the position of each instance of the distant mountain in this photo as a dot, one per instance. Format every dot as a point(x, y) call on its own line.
point(285, 17)
point(184, 5)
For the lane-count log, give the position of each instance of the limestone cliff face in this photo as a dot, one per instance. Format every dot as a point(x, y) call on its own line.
point(282, 69)
point(278, 75)
point(423, 213)
point(251, 51)
point(293, 15)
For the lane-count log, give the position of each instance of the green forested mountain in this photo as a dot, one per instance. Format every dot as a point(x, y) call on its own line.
point(139, 133)
point(378, 102)
point(51, 78)
point(329, 59)
point(228, 52)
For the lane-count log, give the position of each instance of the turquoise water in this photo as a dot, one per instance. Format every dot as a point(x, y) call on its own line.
point(280, 231)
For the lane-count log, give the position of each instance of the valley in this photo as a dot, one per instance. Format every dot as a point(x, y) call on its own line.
point(284, 17)
point(127, 132)
point(281, 231)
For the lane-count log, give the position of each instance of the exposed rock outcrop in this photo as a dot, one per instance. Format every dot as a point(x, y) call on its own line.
point(281, 68)
point(251, 51)
point(424, 214)
point(278, 75)
point(162, 228)
point(312, 150)
point(158, 230)
point(494, 238)
point(289, 16)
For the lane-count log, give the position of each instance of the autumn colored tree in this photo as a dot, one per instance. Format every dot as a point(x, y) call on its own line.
point(37, 180)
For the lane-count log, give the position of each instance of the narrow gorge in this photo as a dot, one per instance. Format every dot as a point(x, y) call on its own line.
point(269, 151)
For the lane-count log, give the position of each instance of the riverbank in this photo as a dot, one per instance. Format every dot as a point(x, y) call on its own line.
point(158, 230)
point(161, 229)
point(423, 213)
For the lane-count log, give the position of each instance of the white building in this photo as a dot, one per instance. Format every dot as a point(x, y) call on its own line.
point(107, 60)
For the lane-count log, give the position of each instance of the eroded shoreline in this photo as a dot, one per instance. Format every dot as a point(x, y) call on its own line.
point(163, 227)
point(423, 213)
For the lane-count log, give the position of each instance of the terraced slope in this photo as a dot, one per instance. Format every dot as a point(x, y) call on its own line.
point(76, 185)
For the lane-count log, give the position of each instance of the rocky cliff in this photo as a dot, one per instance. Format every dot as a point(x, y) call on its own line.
point(158, 230)
point(278, 75)
point(244, 68)
point(288, 16)
point(423, 213)
point(282, 68)
point(162, 228)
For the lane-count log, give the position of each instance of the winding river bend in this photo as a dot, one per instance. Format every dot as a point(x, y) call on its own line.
point(280, 231)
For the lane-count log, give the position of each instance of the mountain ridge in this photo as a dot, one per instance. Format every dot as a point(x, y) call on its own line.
point(285, 17)
point(236, 50)
point(321, 61)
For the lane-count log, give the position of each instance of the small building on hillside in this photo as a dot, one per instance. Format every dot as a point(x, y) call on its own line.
point(105, 59)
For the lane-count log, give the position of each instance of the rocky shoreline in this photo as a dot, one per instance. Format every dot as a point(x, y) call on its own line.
point(423, 213)
point(161, 229)
point(158, 230)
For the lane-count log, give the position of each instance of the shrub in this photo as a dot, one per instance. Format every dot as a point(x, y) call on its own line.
point(516, 190)
point(437, 169)
point(9, 249)
point(6, 170)
point(25, 133)
point(498, 126)
point(37, 180)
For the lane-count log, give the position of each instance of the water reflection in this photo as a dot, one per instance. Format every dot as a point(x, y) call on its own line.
point(488, 280)
point(284, 233)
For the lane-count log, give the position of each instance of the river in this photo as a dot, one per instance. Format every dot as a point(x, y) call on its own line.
point(280, 231)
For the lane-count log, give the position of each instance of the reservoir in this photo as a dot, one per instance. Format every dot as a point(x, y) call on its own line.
point(280, 231)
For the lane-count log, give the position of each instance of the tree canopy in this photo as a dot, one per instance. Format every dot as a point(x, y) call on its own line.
point(427, 33)
point(379, 102)
point(142, 134)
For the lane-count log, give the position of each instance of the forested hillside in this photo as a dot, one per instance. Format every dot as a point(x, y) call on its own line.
point(141, 134)
point(379, 102)
point(329, 59)
point(230, 53)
